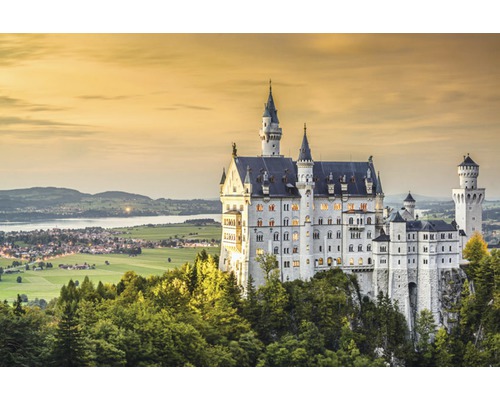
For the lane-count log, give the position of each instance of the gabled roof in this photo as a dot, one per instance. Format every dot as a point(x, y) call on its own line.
point(468, 161)
point(383, 237)
point(429, 226)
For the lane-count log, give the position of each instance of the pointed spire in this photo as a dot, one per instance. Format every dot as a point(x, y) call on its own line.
point(247, 176)
point(223, 178)
point(270, 108)
point(305, 151)
point(409, 198)
point(379, 184)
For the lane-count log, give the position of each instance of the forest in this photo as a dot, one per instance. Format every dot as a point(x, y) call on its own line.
point(196, 315)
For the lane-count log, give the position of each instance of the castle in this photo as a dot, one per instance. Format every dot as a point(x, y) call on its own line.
point(318, 215)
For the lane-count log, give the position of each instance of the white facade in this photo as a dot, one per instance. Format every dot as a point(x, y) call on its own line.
point(316, 215)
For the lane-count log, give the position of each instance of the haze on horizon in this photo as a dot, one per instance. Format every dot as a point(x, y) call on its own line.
point(155, 114)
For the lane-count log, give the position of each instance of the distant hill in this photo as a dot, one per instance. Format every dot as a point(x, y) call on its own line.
point(51, 202)
point(399, 198)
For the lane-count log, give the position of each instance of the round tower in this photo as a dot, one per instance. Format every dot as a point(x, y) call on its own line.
point(409, 204)
point(468, 199)
point(270, 133)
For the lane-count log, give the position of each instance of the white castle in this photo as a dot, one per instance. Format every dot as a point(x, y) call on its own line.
point(318, 215)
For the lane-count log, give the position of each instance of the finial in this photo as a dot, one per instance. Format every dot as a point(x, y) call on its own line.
point(270, 86)
point(305, 128)
point(235, 153)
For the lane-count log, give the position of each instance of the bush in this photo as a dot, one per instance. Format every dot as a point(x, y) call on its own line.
point(19, 279)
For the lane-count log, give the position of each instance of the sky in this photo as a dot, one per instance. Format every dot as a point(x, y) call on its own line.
point(156, 114)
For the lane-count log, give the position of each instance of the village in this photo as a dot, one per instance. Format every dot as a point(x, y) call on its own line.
point(41, 245)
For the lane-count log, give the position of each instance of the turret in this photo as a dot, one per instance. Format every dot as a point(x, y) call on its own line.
point(379, 206)
point(468, 171)
point(409, 204)
point(270, 133)
point(305, 185)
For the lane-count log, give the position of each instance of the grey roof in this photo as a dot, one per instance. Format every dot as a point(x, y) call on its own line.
point(223, 178)
point(409, 198)
point(378, 189)
point(354, 172)
point(281, 171)
point(429, 226)
point(468, 161)
point(397, 218)
point(282, 175)
point(383, 237)
point(305, 151)
point(270, 108)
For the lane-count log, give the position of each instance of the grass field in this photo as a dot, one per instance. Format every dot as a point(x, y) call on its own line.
point(47, 284)
point(186, 231)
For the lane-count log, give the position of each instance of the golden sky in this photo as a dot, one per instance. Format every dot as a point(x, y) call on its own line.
point(156, 114)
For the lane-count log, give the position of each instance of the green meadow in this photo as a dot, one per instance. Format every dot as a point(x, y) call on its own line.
point(46, 284)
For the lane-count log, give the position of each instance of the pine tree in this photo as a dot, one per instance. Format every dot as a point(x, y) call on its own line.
point(69, 344)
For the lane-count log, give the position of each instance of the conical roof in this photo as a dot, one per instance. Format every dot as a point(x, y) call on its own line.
point(270, 108)
point(409, 198)
point(223, 178)
point(468, 161)
point(379, 185)
point(305, 151)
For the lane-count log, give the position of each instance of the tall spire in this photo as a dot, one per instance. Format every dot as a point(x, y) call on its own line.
point(270, 108)
point(223, 178)
point(305, 151)
point(379, 184)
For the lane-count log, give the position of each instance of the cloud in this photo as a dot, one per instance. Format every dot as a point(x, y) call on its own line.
point(18, 48)
point(11, 102)
point(97, 97)
point(7, 121)
point(184, 106)
point(47, 134)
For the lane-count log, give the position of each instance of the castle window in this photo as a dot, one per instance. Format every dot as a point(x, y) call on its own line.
point(364, 206)
point(339, 235)
point(286, 264)
point(450, 248)
point(426, 249)
point(339, 221)
point(286, 222)
point(442, 248)
point(369, 261)
point(360, 261)
point(399, 249)
point(286, 250)
point(295, 222)
point(295, 207)
point(450, 235)
point(399, 237)
point(360, 247)
point(271, 207)
point(442, 260)
point(296, 263)
point(316, 235)
point(276, 250)
point(324, 206)
point(369, 248)
point(351, 248)
point(350, 206)
point(443, 236)
point(320, 261)
point(339, 261)
point(295, 236)
point(369, 221)
point(399, 263)
point(259, 237)
point(426, 261)
point(369, 234)
point(426, 237)
point(260, 207)
point(271, 222)
point(329, 261)
point(338, 248)
point(320, 221)
point(351, 221)
point(432, 236)
point(337, 206)
point(241, 207)
point(276, 236)
point(307, 219)
point(351, 261)
point(286, 236)
point(383, 248)
point(450, 260)
point(330, 221)
point(259, 222)
point(259, 251)
point(320, 248)
point(307, 234)
point(329, 235)
point(286, 207)
point(295, 249)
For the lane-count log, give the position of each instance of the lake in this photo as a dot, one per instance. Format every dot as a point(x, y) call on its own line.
point(80, 223)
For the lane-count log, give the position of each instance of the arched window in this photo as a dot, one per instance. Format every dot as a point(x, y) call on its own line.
point(271, 207)
point(271, 222)
point(276, 250)
point(286, 236)
point(369, 247)
point(320, 261)
point(329, 235)
point(276, 236)
point(360, 261)
point(360, 247)
point(369, 261)
point(351, 248)
point(351, 221)
point(316, 235)
point(339, 261)
point(286, 222)
point(259, 237)
point(308, 219)
point(369, 221)
point(329, 261)
point(351, 261)
point(259, 222)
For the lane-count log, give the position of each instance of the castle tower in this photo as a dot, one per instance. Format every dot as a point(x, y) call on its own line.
point(270, 133)
point(468, 199)
point(409, 204)
point(305, 185)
